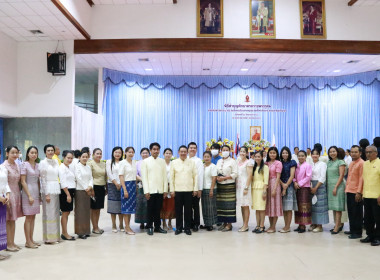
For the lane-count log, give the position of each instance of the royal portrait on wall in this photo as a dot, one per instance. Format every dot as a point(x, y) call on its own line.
point(313, 19)
point(262, 19)
point(210, 18)
point(255, 133)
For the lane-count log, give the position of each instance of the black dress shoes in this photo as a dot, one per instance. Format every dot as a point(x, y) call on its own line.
point(210, 228)
point(178, 231)
point(375, 242)
point(297, 229)
point(82, 236)
point(195, 228)
point(188, 232)
point(150, 231)
point(160, 230)
point(366, 240)
point(347, 232)
point(354, 236)
point(202, 227)
point(301, 230)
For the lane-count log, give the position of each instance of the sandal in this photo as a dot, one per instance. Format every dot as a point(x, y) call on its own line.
point(31, 247)
point(256, 229)
point(227, 229)
point(96, 232)
point(37, 244)
point(260, 230)
point(221, 228)
point(284, 231)
point(12, 249)
point(114, 230)
point(270, 231)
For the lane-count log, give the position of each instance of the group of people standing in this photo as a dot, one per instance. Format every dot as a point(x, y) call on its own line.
point(273, 184)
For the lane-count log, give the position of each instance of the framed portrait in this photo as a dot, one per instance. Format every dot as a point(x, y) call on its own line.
point(210, 18)
point(313, 19)
point(255, 133)
point(262, 19)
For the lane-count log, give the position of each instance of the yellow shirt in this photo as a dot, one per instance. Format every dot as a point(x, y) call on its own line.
point(183, 176)
point(154, 176)
point(57, 158)
point(99, 172)
point(371, 179)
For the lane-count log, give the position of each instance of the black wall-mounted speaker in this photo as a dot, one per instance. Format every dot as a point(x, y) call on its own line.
point(56, 63)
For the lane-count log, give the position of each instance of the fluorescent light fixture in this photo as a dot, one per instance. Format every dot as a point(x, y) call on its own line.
point(148, 69)
point(244, 69)
point(337, 71)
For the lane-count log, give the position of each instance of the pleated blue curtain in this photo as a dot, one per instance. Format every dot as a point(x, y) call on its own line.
point(176, 110)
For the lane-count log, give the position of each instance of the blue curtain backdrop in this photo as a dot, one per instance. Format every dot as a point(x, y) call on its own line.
point(176, 110)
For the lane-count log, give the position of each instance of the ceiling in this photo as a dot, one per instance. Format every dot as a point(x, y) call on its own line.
point(18, 17)
point(267, 64)
point(126, 2)
point(367, 3)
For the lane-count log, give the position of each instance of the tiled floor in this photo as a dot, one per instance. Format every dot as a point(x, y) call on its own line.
point(204, 255)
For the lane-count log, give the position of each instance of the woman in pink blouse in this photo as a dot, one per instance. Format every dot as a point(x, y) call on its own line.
point(274, 202)
point(302, 181)
point(14, 209)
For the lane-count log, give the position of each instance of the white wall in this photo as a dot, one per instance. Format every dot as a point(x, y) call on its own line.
point(81, 11)
point(39, 94)
point(8, 73)
point(179, 21)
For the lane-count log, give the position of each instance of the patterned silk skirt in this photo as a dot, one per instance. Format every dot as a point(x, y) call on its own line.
point(14, 210)
point(209, 211)
point(168, 208)
point(289, 200)
point(50, 219)
point(274, 203)
point(337, 202)
point(128, 205)
point(226, 203)
point(303, 215)
point(3, 229)
point(82, 213)
point(141, 215)
point(114, 202)
point(320, 210)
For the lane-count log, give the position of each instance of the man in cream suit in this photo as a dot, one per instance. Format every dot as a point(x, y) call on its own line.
point(155, 184)
point(183, 186)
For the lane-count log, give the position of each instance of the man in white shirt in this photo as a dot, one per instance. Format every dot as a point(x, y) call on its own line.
point(195, 220)
point(295, 155)
point(155, 184)
point(183, 186)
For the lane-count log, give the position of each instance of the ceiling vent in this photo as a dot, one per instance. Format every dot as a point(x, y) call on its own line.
point(250, 60)
point(36, 32)
point(144, 59)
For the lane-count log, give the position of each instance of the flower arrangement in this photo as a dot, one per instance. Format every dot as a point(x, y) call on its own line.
point(220, 142)
point(257, 145)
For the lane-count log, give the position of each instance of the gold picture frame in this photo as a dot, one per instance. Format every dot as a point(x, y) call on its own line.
point(313, 19)
point(214, 26)
point(256, 28)
point(253, 131)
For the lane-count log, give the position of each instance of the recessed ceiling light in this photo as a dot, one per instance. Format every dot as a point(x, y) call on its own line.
point(312, 61)
point(244, 69)
point(337, 71)
point(148, 69)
